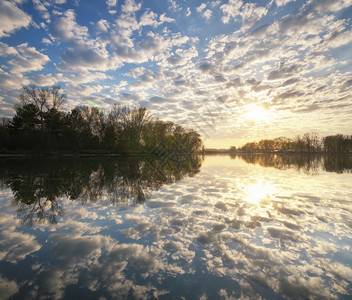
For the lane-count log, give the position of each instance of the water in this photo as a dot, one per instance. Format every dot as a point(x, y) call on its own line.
point(218, 227)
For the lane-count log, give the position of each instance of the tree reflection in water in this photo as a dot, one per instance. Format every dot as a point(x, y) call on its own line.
point(37, 185)
point(308, 164)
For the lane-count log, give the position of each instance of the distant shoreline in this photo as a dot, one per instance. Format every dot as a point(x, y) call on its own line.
point(216, 151)
point(107, 154)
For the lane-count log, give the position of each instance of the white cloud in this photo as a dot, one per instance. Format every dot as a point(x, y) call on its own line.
point(83, 53)
point(339, 34)
point(301, 23)
point(121, 34)
point(17, 245)
point(128, 23)
point(188, 12)
point(207, 14)
point(12, 18)
point(6, 50)
point(130, 6)
point(47, 41)
point(141, 73)
point(84, 90)
point(102, 25)
point(19, 1)
point(28, 59)
point(164, 19)
point(201, 7)
point(9, 82)
point(46, 80)
point(188, 53)
point(42, 10)
point(324, 6)
point(174, 6)
point(7, 287)
point(111, 3)
point(284, 71)
point(248, 13)
point(251, 14)
point(117, 89)
point(231, 10)
point(81, 57)
point(149, 18)
point(153, 46)
point(59, 2)
point(125, 48)
point(66, 28)
point(84, 77)
point(283, 2)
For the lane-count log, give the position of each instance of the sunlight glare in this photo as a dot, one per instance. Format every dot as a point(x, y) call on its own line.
point(257, 191)
point(257, 113)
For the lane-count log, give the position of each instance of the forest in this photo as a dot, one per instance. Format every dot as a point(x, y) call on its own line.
point(308, 143)
point(40, 126)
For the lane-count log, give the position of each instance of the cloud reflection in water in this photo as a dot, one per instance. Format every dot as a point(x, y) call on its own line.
point(197, 237)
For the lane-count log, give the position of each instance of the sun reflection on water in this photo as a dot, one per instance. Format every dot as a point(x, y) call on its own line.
point(258, 191)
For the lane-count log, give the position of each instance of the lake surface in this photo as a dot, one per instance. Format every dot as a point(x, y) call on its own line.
point(213, 227)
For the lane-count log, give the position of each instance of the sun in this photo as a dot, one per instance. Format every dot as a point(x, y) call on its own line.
point(257, 113)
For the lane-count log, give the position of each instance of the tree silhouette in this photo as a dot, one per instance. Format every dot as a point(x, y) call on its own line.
point(26, 119)
point(308, 143)
point(122, 130)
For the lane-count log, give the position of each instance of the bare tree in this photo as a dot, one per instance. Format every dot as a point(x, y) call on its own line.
point(44, 99)
point(33, 95)
point(56, 99)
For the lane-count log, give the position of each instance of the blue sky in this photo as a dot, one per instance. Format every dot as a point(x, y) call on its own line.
point(234, 70)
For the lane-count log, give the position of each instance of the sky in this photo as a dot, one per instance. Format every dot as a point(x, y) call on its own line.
point(233, 70)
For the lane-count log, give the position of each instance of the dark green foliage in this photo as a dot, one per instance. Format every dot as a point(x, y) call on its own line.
point(39, 126)
point(26, 120)
point(22, 130)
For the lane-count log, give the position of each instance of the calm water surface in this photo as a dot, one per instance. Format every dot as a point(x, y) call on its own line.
point(217, 227)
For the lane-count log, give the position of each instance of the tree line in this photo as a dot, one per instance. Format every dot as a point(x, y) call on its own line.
point(307, 143)
point(40, 126)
